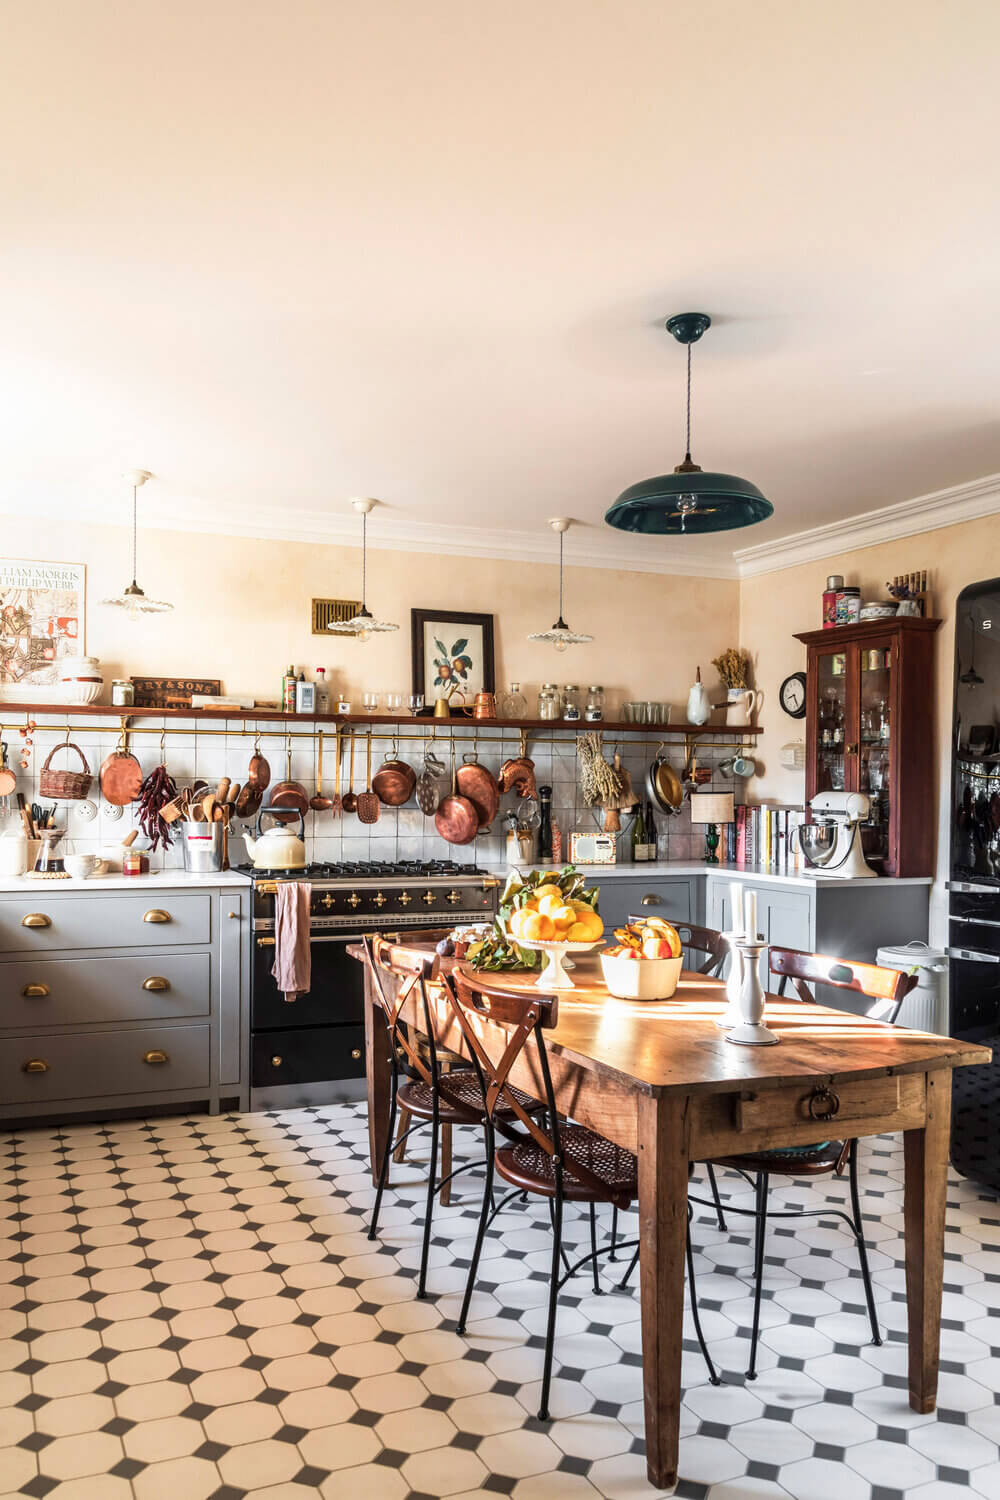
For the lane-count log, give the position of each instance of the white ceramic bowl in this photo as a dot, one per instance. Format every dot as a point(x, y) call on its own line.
point(641, 978)
point(878, 609)
point(80, 865)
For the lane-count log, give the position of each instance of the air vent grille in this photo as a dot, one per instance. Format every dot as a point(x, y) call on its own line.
point(326, 611)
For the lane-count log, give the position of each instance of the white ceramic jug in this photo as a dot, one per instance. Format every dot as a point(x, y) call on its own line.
point(742, 704)
point(698, 706)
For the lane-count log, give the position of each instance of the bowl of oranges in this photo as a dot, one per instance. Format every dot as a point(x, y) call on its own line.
point(551, 913)
point(645, 961)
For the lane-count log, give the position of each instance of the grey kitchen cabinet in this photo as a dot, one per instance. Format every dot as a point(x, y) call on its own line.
point(677, 898)
point(123, 1000)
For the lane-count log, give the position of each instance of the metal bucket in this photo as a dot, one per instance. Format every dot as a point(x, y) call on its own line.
point(203, 847)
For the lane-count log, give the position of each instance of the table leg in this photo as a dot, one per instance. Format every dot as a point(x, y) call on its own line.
point(926, 1160)
point(663, 1175)
point(378, 1070)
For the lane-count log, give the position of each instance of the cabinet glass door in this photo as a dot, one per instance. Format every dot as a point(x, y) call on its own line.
point(831, 724)
point(875, 730)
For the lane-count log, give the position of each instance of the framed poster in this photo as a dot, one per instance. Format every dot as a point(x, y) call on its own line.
point(452, 654)
point(42, 618)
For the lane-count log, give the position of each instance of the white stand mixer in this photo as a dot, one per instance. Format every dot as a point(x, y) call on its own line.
point(833, 843)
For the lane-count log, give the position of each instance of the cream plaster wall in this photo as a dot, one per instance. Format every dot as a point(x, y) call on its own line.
point(774, 606)
point(242, 613)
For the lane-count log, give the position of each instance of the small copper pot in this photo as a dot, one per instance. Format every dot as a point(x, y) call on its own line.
point(485, 706)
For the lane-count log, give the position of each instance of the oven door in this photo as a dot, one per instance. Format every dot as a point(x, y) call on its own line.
point(336, 994)
point(974, 998)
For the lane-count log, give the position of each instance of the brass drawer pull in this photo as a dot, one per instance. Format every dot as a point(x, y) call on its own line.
point(650, 900)
point(156, 983)
point(35, 1065)
point(156, 1056)
point(36, 919)
point(35, 991)
point(823, 1104)
point(234, 916)
point(156, 916)
point(276, 1061)
point(356, 1053)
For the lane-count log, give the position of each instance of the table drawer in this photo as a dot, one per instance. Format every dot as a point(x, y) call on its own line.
point(45, 922)
point(90, 1065)
point(801, 1114)
point(80, 991)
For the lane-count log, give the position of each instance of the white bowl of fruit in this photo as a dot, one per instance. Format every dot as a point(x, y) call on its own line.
point(645, 962)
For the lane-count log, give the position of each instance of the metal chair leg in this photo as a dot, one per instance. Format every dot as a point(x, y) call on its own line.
point(598, 1289)
point(484, 1215)
point(713, 1374)
point(429, 1211)
point(614, 1232)
point(715, 1195)
point(758, 1270)
point(866, 1275)
point(383, 1171)
point(550, 1329)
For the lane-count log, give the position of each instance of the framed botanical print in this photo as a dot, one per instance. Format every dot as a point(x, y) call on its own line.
point(452, 655)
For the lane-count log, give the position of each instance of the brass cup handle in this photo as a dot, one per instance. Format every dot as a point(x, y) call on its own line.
point(155, 1056)
point(35, 1065)
point(35, 991)
point(650, 900)
point(823, 1104)
point(155, 983)
point(36, 919)
point(156, 915)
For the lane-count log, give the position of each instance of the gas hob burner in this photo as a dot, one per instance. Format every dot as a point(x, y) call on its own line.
point(405, 869)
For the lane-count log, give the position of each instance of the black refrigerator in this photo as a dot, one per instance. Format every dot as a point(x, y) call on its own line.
point(974, 884)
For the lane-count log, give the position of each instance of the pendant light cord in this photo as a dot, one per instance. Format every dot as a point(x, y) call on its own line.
point(364, 557)
point(135, 489)
point(560, 575)
point(687, 455)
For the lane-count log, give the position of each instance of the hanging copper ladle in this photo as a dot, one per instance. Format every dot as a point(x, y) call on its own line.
point(317, 801)
point(350, 802)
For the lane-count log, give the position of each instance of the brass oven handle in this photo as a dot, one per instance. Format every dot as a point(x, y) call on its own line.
point(490, 883)
point(265, 942)
point(155, 983)
point(155, 1056)
point(823, 1104)
point(35, 991)
point(156, 916)
point(36, 919)
point(35, 1065)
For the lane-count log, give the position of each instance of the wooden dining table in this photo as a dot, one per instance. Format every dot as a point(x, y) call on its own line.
point(660, 1080)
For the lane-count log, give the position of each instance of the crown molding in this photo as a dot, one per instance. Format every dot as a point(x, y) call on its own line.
point(950, 507)
point(585, 546)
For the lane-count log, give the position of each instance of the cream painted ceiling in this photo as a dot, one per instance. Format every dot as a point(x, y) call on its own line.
point(284, 253)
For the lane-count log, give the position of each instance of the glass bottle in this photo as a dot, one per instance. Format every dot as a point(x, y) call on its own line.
point(571, 702)
point(514, 705)
point(549, 702)
point(544, 822)
point(650, 833)
point(322, 692)
point(594, 711)
point(639, 853)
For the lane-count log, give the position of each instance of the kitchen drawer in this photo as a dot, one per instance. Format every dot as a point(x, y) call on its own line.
point(653, 897)
point(765, 1119)
point(91, 1065)
point(81, 991)
point(46, 921)
point(308, 1056)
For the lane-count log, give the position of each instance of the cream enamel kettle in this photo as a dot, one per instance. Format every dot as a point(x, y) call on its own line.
point(278, 848)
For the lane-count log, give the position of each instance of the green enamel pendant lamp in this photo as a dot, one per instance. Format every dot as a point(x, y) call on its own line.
point(689, 501)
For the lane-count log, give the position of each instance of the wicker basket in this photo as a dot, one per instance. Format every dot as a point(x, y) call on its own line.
point(67, 786)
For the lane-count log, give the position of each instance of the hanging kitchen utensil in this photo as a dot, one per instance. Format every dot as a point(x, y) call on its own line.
point(394, 780)
point(337, 805)
point(369, 806)
point(8, 781)
point(248, 800)
point(121, 774)
point(63, 785)
point(429, 784)
point(456, 820)
point(350, 802)
point(479, 785)
point(663, 785)
point(617, 801)
point(318, 802)
point(259, 772)
point(288, 797)
point(518, 775)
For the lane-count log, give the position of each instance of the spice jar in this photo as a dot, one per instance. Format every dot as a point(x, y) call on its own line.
point(571, 702)
point(594, 711)
point(549, 701)
point(834, 584)
point(122, 693)
point(135, 862)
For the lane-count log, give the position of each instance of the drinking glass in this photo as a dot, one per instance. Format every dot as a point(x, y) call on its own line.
point(415, 703)
point(652, 711)
point(393, 702)
point(629, 712)
point(370, 701)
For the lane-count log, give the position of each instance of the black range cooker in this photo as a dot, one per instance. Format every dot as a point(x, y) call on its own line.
point(310, 1050)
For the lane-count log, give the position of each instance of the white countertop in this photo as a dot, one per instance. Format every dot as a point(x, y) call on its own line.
point(748, 874)
point(163, 880)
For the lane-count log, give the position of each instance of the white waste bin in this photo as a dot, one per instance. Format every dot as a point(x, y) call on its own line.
point(925, 1007)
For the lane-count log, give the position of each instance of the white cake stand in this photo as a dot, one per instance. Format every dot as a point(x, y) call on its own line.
point(553, 975)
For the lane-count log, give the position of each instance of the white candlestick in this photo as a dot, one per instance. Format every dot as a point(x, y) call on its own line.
point(750, 915)
point(736, 901)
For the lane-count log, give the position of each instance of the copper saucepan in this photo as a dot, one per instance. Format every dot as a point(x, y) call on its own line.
point(289, 797)
point(479, 785)
point(456, 819)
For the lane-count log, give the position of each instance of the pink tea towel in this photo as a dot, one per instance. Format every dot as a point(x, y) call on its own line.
point(292, 957)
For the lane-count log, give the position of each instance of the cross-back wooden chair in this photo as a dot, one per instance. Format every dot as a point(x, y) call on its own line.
point(886, 989)
point(551, 1158)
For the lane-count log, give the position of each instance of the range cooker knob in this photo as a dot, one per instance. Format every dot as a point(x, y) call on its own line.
point(326, 901)
point(428, 898)
point(405, 899)
point(452, 898)
point(354, 899)
point(379, 899)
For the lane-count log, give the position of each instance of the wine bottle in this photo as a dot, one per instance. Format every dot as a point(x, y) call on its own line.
point(639, 853)
point(544, 823)
point(650, 833)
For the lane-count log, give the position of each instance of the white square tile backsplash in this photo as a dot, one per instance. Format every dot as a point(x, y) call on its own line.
point(402, 833)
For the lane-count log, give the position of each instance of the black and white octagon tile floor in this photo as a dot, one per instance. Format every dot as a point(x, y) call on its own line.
point(190, 1307)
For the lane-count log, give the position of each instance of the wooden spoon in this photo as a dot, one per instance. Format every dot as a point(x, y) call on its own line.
point(369, 806)
point(337, 805)
point(318, 802)
point(350, 802)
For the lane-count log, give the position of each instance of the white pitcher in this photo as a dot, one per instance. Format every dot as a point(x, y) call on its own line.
point(742, 704)
point(698, 706)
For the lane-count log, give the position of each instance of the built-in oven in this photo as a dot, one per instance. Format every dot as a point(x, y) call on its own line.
point(974, 984)
point(312, 1038)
